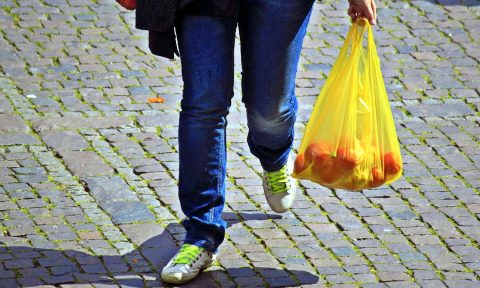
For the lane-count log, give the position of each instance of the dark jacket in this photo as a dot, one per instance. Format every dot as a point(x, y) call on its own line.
point(159, 16)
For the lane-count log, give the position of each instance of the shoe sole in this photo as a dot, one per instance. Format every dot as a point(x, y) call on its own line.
point(173, 280)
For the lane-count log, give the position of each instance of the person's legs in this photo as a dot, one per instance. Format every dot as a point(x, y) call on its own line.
point(271, 34)
point(206, 47)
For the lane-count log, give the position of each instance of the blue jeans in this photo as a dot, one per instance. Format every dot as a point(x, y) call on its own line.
point(271, 36)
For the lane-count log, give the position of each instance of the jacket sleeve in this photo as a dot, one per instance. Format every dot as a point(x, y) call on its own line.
point(163, 43)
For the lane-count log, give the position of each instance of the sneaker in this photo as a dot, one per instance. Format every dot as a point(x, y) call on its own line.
point(280, 187)
point(187, 264)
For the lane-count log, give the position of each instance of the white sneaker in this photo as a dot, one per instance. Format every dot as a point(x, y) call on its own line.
point(280, 187)
point(189, 261)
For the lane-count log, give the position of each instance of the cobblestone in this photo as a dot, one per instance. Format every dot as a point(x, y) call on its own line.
point(85, 163)
point(65, 140)
point(88, 168)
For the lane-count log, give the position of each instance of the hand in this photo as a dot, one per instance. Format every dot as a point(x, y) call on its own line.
point(363, 8)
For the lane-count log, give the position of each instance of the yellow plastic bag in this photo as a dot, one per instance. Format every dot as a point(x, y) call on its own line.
point(350, 141)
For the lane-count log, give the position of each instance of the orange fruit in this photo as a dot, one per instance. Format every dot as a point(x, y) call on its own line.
point(392, 163)
point(325, 170)
point(349, 186)
point(350, 152)
point(346, 158)
point(322, 162)
point(316, 149)
point(299, 165)
point(378, 178)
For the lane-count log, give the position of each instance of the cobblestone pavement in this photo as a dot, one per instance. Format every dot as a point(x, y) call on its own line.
point(88, 168)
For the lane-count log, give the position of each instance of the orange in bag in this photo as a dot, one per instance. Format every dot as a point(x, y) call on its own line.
point(300, 164)
point(377, 179)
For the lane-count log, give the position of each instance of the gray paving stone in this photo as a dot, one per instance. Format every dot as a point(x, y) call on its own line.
point(462, 283)
point(10, 283)
point(18, 139)
point(64, 140)
point(5, 106)
point(128, 212)
point(156, 120)
point(92, 88)
point(12, 123)
point(7, 206)
point(109, 189)
point(141, 233)
point(115, 196)
point(18, 263)
point(85, 163)
point(80, 122)
point(442, 110)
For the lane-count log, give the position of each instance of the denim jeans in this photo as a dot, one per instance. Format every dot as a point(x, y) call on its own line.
point(271, 36)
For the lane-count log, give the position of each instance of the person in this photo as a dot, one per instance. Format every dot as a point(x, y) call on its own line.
point(271, 36)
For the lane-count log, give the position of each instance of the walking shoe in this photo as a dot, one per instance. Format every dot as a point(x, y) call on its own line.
point(187, 264)
point(280, 187)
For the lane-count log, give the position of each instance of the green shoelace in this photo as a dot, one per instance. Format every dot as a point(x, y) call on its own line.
point(187, 254)
point(278, 180)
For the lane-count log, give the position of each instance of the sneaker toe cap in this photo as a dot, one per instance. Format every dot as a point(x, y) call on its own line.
point(281, 202)
point(175, 275)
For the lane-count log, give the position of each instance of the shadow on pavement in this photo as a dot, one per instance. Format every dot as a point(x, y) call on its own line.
point(138, 268)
